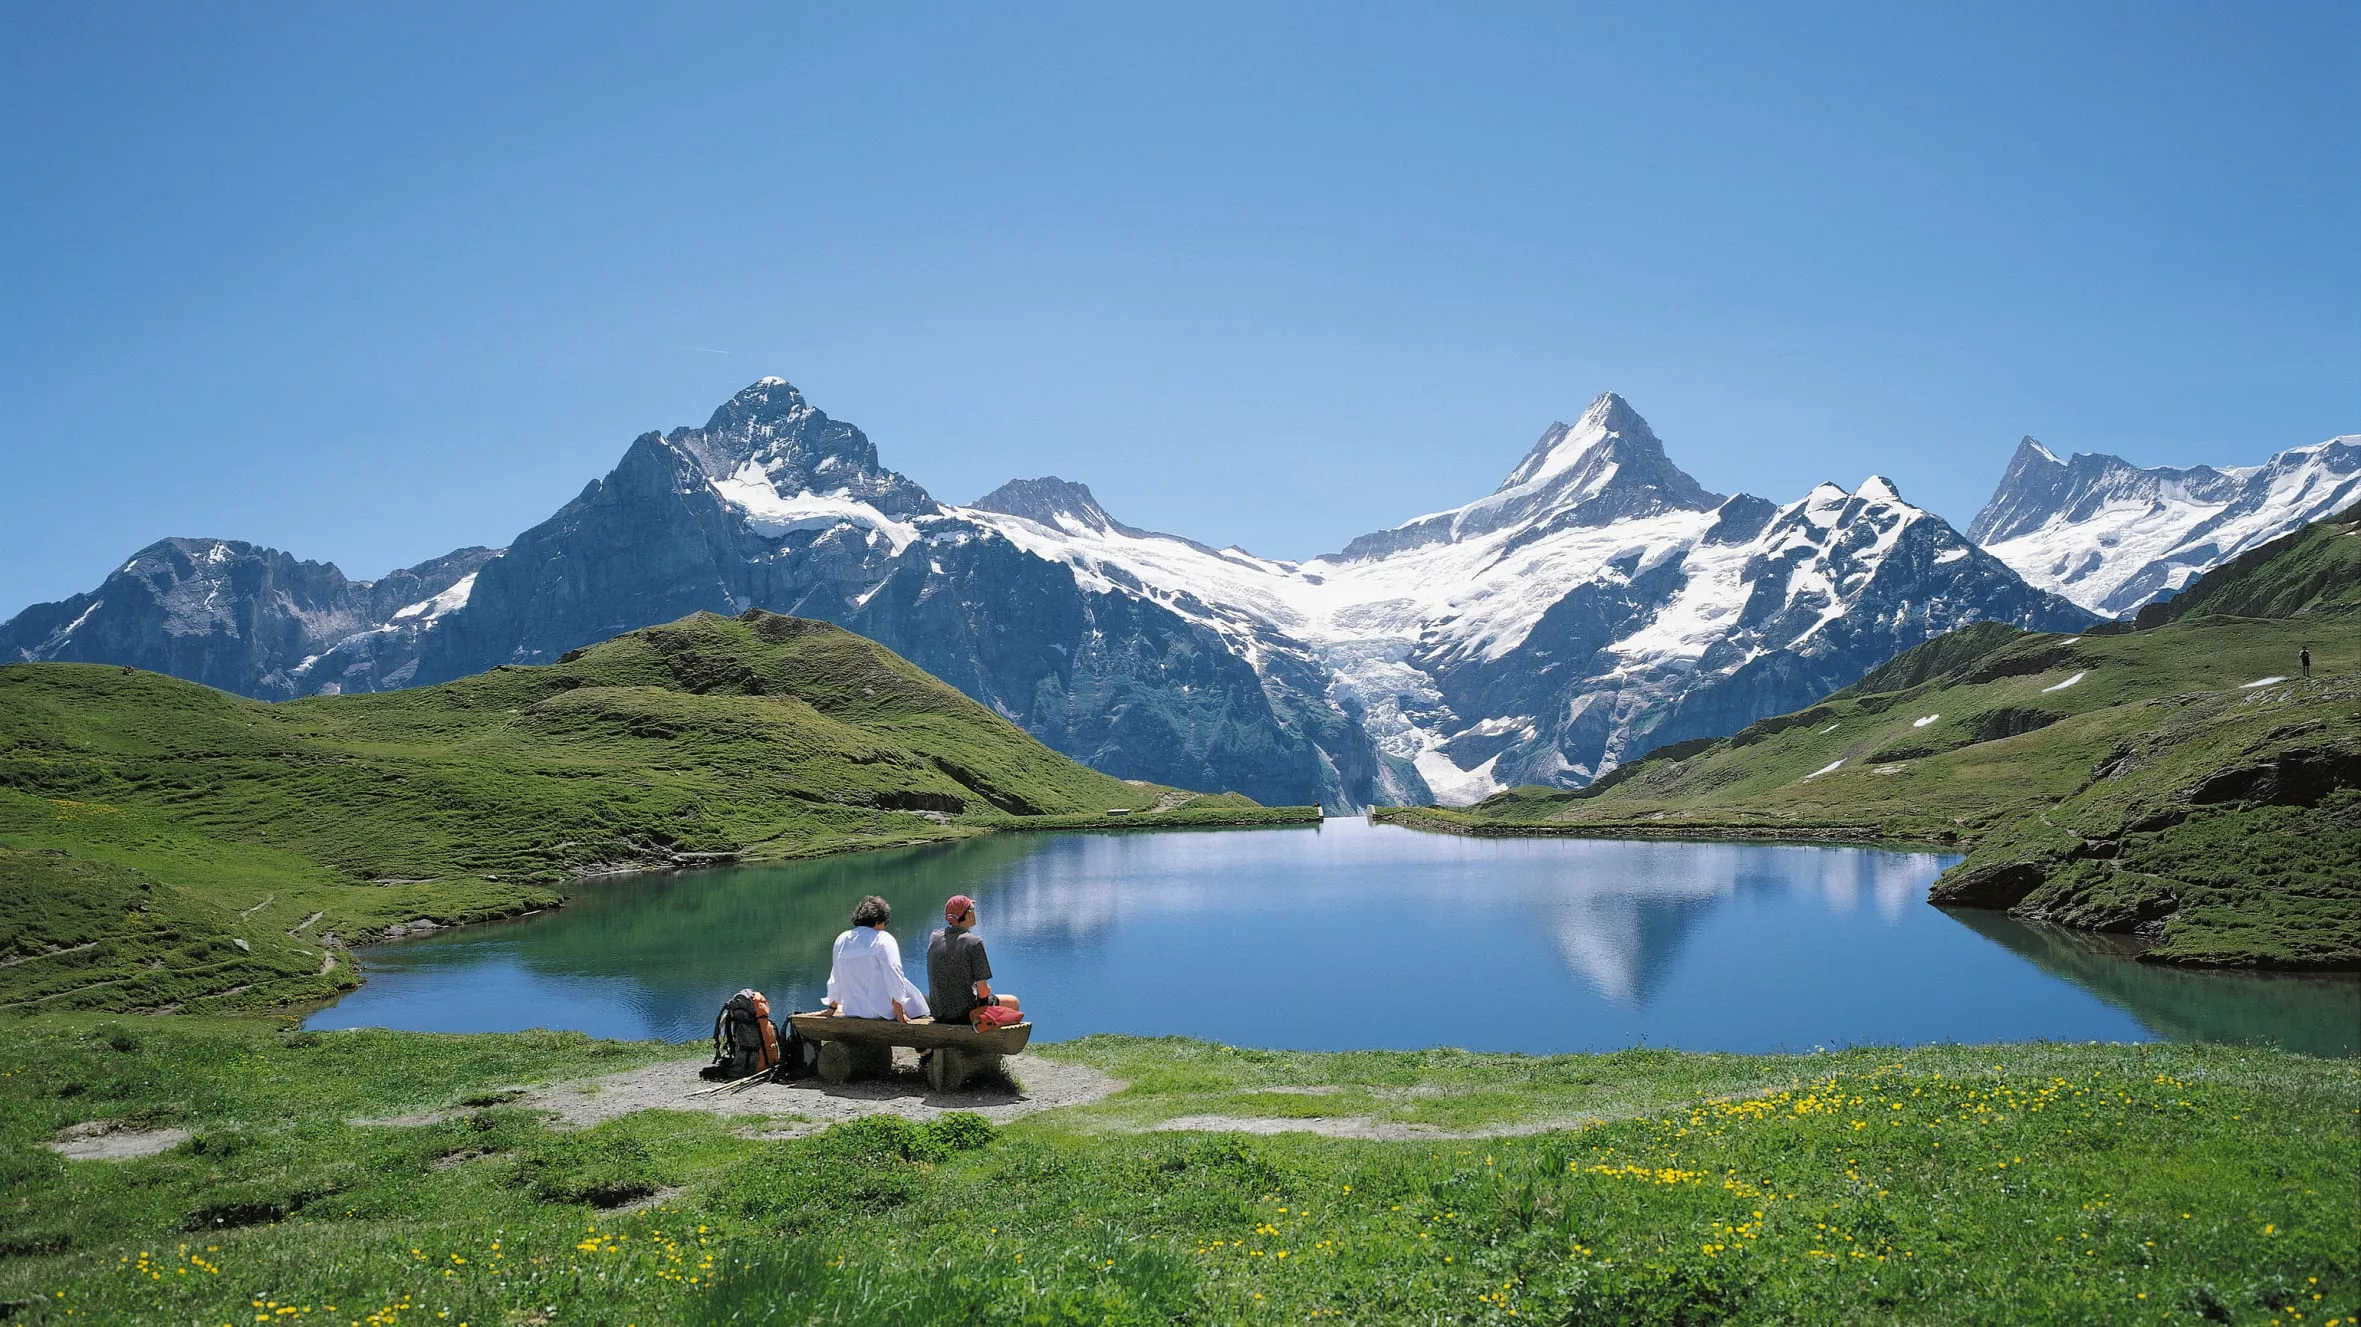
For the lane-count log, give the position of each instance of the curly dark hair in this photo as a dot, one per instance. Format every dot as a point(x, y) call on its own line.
point(872, 911)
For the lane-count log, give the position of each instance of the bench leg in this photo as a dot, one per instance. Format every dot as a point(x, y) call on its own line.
point(841, 1062)
point(946, 1069)
point(836, 1062)
point(949, 1070)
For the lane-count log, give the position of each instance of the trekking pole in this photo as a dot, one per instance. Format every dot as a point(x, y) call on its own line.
point(748, 1081)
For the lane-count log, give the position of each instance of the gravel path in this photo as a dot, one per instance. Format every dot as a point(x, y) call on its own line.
point(788, 1110)
point(101, 1141)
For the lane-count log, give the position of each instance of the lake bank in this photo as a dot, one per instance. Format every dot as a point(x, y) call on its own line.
point(167, 846)
point(1986, 1183)
point(1540, 946)
point(2163, 783)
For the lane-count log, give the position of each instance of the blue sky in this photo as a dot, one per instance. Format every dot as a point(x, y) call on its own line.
point(368, 282)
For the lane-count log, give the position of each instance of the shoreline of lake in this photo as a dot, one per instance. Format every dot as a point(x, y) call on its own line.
point(1441, 820)
point(1594, 944)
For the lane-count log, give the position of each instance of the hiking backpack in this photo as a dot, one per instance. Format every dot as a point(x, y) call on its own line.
point(744, 1042)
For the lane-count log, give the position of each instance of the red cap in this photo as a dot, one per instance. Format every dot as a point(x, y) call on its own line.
point(957, 907)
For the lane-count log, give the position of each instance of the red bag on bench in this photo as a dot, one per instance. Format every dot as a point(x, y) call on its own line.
point(995, 1016)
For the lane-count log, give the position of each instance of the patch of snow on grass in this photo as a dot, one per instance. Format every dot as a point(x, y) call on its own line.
point(2067, 683)
point(1829, 768)
point(2261, 682)
point(1921, 723)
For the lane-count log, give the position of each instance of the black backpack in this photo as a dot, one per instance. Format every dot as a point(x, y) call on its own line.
point(744, 1042)
point(799, 1055)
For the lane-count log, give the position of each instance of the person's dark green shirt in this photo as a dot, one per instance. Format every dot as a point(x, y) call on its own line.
point(955, 962)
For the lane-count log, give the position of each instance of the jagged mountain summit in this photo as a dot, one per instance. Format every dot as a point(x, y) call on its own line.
point(774, 505)
point(1598, 603)
point(247, 619)
point(2111, 536)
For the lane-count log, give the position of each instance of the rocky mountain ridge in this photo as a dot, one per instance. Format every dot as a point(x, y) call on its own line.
point(2112, 536)
point(1598, 603)
point(248, 619)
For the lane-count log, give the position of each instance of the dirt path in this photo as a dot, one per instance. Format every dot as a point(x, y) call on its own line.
point(791, 1110)
point(103, 1141)
point(788, 1110)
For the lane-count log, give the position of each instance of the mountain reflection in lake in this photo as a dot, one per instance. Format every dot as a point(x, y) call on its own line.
point(1350, 936)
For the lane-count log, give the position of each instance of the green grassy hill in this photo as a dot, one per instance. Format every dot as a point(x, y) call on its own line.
point(164, 845)
point(2315, 570)
point(2180, 780)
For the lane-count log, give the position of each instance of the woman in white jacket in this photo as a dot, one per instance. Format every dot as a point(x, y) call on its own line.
point(865, 979)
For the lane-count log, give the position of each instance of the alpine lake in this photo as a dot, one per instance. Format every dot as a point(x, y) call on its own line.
point(1358, 936)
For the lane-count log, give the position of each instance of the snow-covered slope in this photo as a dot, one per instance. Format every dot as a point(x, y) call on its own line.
point(1597, 604)
point(2111, 536)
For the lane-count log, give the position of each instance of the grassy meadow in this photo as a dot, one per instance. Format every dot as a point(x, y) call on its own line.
point(167, 846)
point(173, 860)
point(2042, 1183)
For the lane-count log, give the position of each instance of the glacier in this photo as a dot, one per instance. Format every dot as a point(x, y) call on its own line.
point(2111, 536)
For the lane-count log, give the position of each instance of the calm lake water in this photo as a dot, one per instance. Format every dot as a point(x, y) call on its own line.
point(1358, 936)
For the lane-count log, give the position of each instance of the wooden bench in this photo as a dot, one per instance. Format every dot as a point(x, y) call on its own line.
point(952, 1052)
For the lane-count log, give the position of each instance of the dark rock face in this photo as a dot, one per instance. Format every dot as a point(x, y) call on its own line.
point(1112, 680)
point(243, 618)
point(2001, 885)
point(707, 519)
point(2291, 778)
point(1049, 500)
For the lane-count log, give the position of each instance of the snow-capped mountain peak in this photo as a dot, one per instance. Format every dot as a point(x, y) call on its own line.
point(1564, 447)
point(1598, 604)
point(1605, 467)
point(2112, 536)
point(1878, 488)
point(768, 440)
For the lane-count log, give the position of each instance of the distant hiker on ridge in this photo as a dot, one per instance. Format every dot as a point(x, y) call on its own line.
point(958, 976)
point(2304, 657)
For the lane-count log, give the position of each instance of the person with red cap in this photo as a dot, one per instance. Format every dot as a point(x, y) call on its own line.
point(959, 977)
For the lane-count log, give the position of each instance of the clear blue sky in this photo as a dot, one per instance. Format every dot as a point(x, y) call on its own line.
point(367, 282)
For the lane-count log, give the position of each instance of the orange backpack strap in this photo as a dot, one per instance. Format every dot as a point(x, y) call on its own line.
point(770, 1033)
